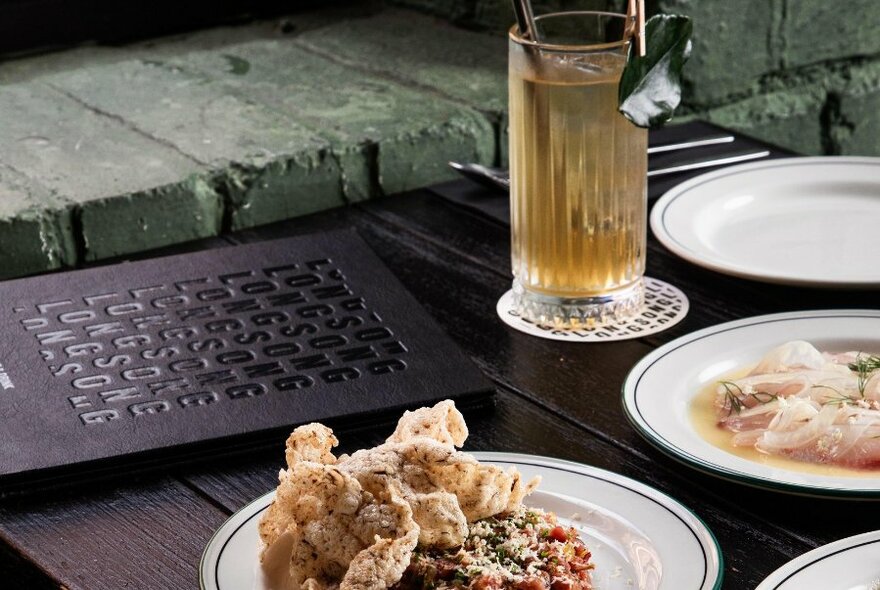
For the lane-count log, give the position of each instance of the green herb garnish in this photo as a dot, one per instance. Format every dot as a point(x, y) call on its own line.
point(864, 367)
point(734, 396)
point(839, 398)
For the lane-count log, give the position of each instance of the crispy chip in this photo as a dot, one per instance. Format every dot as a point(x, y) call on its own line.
point(352, 523)
point(442, 422)
point(312, 442)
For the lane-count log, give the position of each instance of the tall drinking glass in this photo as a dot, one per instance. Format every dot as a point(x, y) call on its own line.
point(578, 198)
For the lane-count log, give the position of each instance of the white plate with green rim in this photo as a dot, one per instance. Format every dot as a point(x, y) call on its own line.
point(640, 538)
point(660, 389)
point(849, 564)
point(795, 221)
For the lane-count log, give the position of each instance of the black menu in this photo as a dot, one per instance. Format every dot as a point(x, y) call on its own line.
point(156, 361)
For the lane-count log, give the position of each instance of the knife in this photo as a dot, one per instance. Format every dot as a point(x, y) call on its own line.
point(693, 143)
point(710, 162)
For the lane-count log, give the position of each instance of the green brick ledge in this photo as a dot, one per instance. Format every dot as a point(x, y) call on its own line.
point(109, 151)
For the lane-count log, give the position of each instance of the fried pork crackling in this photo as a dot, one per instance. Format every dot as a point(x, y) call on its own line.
point(413, 512)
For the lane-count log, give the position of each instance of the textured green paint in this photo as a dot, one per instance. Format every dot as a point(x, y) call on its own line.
point(790, 119)
point(237, 66)
point(270, 166)
point(819, 30)
point(35, 227)
point(133, 222)
point(856, 126)
point(858, 138)
point(734, 43)
point(358, 113)
point(283, 188)
point(89, 160)
point(461, 65)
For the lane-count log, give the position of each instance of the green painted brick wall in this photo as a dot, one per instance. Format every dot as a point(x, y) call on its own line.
point(800, 73)
point(106, 151)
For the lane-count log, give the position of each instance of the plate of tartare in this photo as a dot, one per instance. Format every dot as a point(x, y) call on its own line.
point(788, 402)
point(640, 538)
point(849, 564)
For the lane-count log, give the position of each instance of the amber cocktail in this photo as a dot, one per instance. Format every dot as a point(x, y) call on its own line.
point(578, 175)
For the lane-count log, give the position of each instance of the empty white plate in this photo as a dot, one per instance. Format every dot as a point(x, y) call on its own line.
point(849, 564)
point(796, 221)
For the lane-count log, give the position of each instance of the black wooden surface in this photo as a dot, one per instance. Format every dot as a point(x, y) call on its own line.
point(554, 398)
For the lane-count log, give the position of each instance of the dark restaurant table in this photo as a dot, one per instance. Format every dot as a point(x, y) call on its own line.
point(556, 399)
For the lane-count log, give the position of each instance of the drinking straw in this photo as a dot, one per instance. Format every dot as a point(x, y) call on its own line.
point(525, 19)
point(636, 30)
point(640, 18)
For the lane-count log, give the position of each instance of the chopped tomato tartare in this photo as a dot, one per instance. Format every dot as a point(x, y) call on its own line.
point(522, 550)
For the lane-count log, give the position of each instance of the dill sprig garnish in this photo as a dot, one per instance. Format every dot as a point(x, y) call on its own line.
point(839, 398)
point(864, 367)
point(734, 395)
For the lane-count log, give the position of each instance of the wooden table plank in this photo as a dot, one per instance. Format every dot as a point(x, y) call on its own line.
point(148, 533)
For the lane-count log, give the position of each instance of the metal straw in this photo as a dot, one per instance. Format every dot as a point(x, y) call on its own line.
point(525, 19)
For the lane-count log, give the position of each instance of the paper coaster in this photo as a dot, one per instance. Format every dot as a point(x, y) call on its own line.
point(665, 306)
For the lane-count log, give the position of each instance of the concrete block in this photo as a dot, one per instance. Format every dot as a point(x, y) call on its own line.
point(35, 227)
point(411, 134)
point(271, 167)
point(734, 44)
point(134, 221)
point(859, 135)
point(818, 30)
point(132, 193)
point(463, 65)
point(786, 118)
point(855, 130)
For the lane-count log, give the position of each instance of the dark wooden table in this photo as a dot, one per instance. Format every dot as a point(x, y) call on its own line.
point(553, 398)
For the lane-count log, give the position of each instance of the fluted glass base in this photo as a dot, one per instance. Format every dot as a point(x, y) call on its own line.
point(585, 312)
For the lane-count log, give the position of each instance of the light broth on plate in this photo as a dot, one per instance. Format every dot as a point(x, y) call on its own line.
point(705, 422)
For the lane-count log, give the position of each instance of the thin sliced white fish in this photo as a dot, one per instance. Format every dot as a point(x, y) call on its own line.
point(807, 405)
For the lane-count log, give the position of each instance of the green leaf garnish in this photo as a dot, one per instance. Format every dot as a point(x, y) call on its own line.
point(650, 87)
point(864, 368)
point(734, 397)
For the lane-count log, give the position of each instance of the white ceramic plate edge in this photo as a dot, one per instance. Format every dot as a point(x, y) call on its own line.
point(714, 574)
point(707, 539)
point(672, 244)
point(213, 549)
point(648, 433)
point(805, 561)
